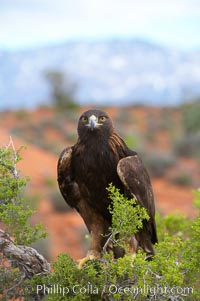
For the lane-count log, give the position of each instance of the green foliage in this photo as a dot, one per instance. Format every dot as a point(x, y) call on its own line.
point(15, 216)
point(131, 141)
point(197, 199)
point(21, 114)
point(73, 284)
point(174, 225)
point(14, 211)
point(124, 211)
point(191, 116)
point(172, 274)
point(188, 144)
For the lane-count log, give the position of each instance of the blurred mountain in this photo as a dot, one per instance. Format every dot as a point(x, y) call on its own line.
point(110, 72)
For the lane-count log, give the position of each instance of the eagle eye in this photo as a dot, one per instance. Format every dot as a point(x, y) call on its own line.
point(84, 119)
point(102, 119)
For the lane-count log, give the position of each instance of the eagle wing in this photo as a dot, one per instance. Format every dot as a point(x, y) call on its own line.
point(136, 181)
point(66, 182)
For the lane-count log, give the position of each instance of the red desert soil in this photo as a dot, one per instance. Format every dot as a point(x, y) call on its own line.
point(66, 230)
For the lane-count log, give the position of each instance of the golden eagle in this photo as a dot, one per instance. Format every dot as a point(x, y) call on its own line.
point(85, 169)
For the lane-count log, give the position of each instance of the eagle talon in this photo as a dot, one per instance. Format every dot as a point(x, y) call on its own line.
point(82, 262)
point(89, 257)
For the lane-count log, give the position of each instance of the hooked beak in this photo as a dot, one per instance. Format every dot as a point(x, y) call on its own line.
point(93, 122)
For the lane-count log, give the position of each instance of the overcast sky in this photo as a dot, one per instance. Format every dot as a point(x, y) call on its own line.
point(32, 23)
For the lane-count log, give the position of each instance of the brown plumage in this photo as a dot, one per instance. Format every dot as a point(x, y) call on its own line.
point(85, 169)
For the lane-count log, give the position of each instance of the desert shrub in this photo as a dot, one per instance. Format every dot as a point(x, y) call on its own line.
point(158, 163)
point(175, 224)
point(197, 199)
point(36, 133)
point(188, 145)
point(191, 116)
point(123, 210)
point(172, 274)
point(161, 120)
point(183, 179)
point(22, 114)
point(15, 214)
point(14, 210)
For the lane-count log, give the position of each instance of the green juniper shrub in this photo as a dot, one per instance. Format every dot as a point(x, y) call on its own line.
point(14, 210)
point(124, 211)
point(15, 214)
point(172, 274)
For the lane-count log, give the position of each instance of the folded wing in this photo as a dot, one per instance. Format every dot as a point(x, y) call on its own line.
point(136, 181)
point(67, 184)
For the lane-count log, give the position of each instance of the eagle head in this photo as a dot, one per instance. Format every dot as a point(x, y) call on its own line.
point(93, 123)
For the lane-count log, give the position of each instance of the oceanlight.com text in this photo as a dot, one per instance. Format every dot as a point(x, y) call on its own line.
point(90, 289)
